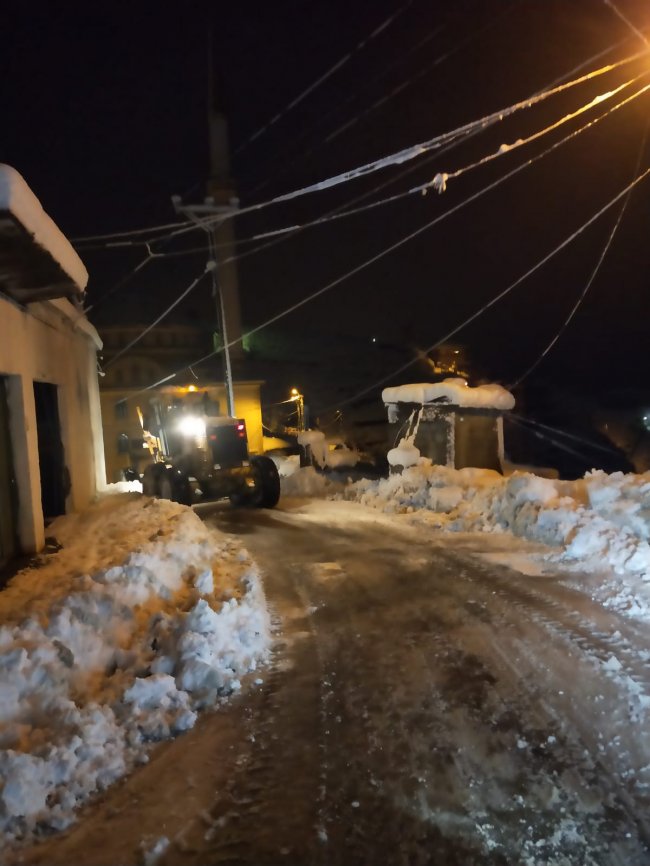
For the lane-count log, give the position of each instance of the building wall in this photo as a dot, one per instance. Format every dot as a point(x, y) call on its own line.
point(51, 342)
point(122, 429)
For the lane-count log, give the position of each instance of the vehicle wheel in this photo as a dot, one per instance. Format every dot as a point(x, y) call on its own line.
point(182, 490)
point(267, 487)
point(166, 489)
point(241, 500)
point(150, 482)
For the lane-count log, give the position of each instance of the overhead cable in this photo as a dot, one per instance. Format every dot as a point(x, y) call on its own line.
point(414, 151)
point(209, 266)
point(592, 277)
point(627, 21)
point(411, 152)
point(127, 233)
point(411, 236)
point(398, 158)
point(418, 189)
point(501, 294)
point(573, 436)
point(412, 168)
point(541, 435)
point(442, 178)
point(328, 74)
point(303, 153)
point(121, 282)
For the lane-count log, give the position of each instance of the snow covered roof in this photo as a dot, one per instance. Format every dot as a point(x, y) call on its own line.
point(37, 262)
point(454, 391)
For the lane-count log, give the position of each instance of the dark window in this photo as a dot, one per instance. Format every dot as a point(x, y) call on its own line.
point(122, 444)
point(121, 409)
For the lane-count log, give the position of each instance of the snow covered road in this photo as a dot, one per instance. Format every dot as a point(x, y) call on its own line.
point(422, 706)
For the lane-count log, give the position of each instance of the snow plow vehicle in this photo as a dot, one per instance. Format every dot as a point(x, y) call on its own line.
point(200, 457)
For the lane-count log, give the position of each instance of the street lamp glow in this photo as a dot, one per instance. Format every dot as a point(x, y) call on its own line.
point(191, 426)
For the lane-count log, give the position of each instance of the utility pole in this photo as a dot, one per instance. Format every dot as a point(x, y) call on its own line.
point(221, 200)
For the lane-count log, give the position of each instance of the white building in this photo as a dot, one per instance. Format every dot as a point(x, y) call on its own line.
point(51, 449)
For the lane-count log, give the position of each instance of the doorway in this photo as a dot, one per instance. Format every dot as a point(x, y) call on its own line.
point(8, 491)
point(55, 481)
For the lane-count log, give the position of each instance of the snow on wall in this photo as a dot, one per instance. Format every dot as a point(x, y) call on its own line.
point(17, 198)
point(455, 391)
point(116, 642)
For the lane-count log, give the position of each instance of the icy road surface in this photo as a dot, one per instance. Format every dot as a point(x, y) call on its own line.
point(423, 706)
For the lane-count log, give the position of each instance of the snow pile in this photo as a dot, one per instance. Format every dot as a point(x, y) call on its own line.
point(455, 391)
point(114, 642)
point(306, 482)
point(599, 522)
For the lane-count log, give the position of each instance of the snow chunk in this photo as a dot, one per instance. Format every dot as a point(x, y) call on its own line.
point(405, 454)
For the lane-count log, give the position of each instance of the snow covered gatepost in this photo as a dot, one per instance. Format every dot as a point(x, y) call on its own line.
point(449, 422)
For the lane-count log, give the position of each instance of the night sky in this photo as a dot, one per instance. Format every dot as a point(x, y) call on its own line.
point(104, 113)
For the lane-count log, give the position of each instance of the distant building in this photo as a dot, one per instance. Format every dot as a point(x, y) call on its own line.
point(51, 450)
point(126, 392)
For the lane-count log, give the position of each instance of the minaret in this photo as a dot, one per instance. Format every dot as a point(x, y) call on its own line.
point(221, 189)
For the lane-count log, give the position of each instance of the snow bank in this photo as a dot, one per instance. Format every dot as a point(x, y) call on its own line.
point(116, 641)
point(599, 522)
point(455, 391)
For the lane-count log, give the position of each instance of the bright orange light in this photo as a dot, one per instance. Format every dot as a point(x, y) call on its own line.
point(191, 388)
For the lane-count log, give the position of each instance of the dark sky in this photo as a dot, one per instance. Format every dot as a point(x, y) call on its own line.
point(104, 113)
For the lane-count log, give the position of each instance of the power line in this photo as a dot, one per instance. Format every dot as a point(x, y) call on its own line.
point(405, 240)
point(414, 151)
point(328, 74)
point(121, 282)
point(594, 273)
point(127, 233)
point(501, 294)
point(209, 267)
point(541, 435)
point(398, 158)
point(573, 436)
point(627, 21)
point(410, 169)
point(419, 189)
point(399, 88)
point(441, 178)
point(323, 118)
